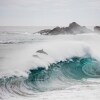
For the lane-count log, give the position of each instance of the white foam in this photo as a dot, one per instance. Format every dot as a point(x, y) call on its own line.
point(20, 59)
point(58, 48)
point(76, 92)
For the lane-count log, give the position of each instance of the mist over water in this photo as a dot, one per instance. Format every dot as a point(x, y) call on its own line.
point(39, 66)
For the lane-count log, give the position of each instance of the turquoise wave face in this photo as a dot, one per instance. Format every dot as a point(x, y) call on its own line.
point(57, 75)
point(75, 67)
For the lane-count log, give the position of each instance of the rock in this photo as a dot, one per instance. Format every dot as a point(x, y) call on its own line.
point(73, 28)
point(46, 31)
point(97, 28)
point(76, 28)
point(57, 31)
point(74, 25)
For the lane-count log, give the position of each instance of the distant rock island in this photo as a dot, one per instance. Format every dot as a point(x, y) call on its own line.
point(97, 29)
point(73, 28)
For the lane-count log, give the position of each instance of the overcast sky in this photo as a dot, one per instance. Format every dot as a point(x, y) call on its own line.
point(49, 12)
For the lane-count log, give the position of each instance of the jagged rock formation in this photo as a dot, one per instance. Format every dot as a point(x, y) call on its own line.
point(46, 31)
point(73, 28)
point(97, 29)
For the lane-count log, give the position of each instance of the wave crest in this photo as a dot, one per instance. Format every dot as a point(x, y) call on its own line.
point(58, 75)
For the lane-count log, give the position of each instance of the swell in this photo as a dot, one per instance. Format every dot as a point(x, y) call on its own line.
point(58, 75)
point(76, 67)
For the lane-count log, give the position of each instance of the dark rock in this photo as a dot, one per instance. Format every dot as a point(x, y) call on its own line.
point(46, 31)
point(73, 28)
point(74, 25)
point(76, 28)
point(57, 30)
point(97, 28)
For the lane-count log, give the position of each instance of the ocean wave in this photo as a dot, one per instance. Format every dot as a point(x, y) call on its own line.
point(50, 64)
point(15, 42)
point(76, 67)
point(57, 76)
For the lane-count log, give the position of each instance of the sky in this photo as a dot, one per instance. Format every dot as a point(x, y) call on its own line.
point(49, 12)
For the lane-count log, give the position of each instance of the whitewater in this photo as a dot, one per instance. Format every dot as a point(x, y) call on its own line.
point(40, 67)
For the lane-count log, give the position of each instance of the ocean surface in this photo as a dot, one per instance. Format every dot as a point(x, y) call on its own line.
point(39, 67)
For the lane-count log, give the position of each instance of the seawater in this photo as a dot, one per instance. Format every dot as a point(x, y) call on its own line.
point(67, 66)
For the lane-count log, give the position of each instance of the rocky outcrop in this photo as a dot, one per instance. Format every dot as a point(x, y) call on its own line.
point(97, 29)
point(76, 28)
point(73, 28)
point(45, 31)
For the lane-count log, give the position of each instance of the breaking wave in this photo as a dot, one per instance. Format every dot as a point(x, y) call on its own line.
point(52, 63)
point(57, 76)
